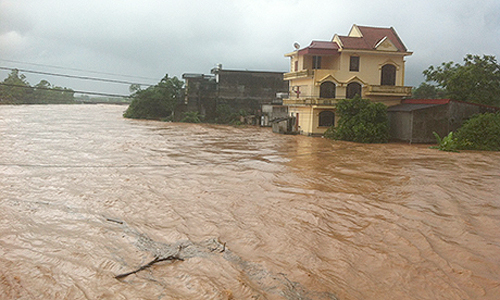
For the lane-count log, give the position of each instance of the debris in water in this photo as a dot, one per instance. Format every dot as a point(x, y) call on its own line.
point(115, 221)
point(154, 261)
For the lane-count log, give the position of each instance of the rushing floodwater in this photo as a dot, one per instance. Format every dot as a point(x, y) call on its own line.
point(86, 195)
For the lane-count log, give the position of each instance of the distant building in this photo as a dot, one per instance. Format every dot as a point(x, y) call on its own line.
point(369, 62)
point(236, 90)
point(199, 95)
point(243, 87)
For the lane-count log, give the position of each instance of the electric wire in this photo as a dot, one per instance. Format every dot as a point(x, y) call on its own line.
point(66, 90)
point(74, 76)
point(76, 69)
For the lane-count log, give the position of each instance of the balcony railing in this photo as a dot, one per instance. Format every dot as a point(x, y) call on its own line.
point(309, 101)
point(303, 95)
point(387, 90)
point(298, 74)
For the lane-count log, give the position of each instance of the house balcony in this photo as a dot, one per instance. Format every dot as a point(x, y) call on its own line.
point(387, 90)
point(298, 74)
point(308, 101)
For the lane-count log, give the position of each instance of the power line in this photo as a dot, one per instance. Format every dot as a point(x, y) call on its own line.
point(74, 76)
point(76, 69)
point(65, 90)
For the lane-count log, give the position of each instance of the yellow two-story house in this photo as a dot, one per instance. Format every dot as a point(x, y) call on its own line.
point(369, 62)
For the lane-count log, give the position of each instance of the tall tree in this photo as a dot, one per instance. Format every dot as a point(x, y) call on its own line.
point(41, 92)
point(427, 91)
point(15, 89)
point(60, 95)
point(477, 80)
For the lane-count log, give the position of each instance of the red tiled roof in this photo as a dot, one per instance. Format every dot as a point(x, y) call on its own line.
point(426, 101)
point(444, 101)
point(371, 37)
point(324, 45)
point(320, 47)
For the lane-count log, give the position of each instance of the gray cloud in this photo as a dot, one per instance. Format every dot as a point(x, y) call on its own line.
point(152, 37)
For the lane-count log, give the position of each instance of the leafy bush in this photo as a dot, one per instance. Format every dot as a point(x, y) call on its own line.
point(330, 133)
point(191, 117)
point(361, 121)
point(481, 132)
point(155, 102)
point(224, 114)
point(447, 143)
point(147, 105)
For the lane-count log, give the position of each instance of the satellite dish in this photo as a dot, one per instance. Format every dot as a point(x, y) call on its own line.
point(296, 45)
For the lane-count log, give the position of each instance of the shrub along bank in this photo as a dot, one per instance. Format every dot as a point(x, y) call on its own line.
point(481, 132)
point(361, 121)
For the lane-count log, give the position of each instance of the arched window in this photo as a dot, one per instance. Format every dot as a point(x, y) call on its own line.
point(327, 90)
point(388, 76)
point(353, 89)
point(326, 118)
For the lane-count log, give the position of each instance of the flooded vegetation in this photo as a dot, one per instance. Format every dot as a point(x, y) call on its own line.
point(236, 213)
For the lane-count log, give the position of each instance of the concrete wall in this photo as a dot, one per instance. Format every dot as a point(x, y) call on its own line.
point(304, 115)
point(307, 89)
point(272, 112)
point(199, 95)
point(429, 120)
point(461, 111)
point(260, 86)
point(370, 66)
point(400, 128)
point(417, 125)
point(309, 119)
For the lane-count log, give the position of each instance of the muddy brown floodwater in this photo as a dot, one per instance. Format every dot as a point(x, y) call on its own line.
point(86, 195)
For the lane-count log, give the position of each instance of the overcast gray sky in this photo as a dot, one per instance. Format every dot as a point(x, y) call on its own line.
point(150, 38)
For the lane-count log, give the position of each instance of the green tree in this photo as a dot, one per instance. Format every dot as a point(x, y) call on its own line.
point(45, 93)
point(60, 95)
point(155, 102)
point(134, 88)
point(427, 91)
point(477, 80)
point(360, 121)
point(15, 89)
point(40, 93)
point(225, 114)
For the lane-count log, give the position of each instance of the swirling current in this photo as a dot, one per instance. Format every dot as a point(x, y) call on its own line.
point(86, 195)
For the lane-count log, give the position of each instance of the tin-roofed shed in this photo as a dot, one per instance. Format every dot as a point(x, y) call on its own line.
point(415, 120)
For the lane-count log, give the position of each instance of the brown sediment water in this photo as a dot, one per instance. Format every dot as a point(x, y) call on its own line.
point(86, 195)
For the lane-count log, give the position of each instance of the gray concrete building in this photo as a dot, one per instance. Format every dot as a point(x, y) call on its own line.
point(231, 92)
